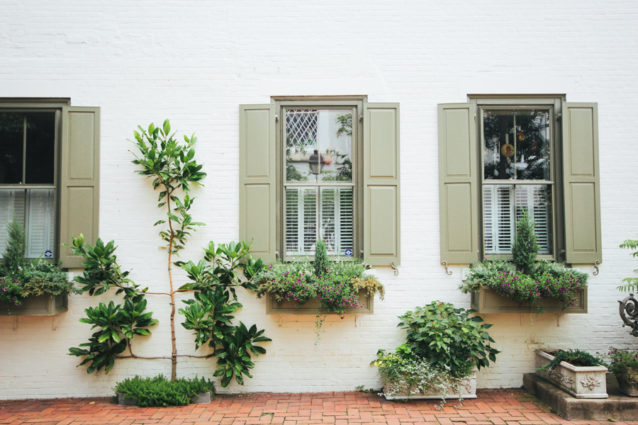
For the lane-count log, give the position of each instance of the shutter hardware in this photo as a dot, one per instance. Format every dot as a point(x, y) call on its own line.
point(447, 271)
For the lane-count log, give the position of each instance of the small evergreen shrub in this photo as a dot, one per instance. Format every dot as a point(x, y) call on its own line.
point(161, 392)
point(525, 247)
point(321, 258)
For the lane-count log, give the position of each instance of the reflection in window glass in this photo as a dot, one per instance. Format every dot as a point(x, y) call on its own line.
point(40, 147)
point(11, 147)
point(516, 145)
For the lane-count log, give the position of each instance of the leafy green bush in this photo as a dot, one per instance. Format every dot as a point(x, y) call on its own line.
point(21, 278)
point(160, 392)
point(631, 283)
point(449, 338)
point(574, 357)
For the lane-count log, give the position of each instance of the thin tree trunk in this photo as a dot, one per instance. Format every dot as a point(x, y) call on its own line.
point(171, 292)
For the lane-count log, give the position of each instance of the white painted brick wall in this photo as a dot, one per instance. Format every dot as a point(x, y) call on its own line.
point(196, 61)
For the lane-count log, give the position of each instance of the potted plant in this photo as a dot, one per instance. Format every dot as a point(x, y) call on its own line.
point(36, 287)
point(525, 284)
point(444, 347)
point(575, 371)
point(624, 365)
point(320, 287)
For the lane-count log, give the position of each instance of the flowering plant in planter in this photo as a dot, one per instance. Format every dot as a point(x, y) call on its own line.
point(624, 364)
point(443, 348)
point(21, 278)
point(337, 284)
point(524, 279)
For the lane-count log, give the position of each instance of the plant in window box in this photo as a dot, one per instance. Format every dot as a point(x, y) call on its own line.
point(444, 347)
point(323, 286)
point(30, 287)
point(502, 286)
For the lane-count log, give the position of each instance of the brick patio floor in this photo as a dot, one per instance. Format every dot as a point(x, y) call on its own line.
point(507, 407)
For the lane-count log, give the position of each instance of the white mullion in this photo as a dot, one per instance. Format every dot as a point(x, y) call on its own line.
point(337, 221)
point(301, 225)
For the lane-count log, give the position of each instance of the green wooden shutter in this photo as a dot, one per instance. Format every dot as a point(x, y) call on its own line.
point(381, 221)
point(458, 184)
point(257, 176)
point(79, 179)
point(581, 183)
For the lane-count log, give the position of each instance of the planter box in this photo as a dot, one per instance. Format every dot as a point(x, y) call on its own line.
point(628, 382)
point(579, 381)
point(314, 306)
point(468, 390)
point(42, 305)
point(488, 301)
point(202, 398)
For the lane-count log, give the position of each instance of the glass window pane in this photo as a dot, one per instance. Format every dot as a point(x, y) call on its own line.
point(11, 208)
point(40, 147)
point(300, 220)
point(337, 228)
point(318, 145)
point(532, 145)
point(498, 152)
point(11, 147)
point(499, 222)
point(40, 223)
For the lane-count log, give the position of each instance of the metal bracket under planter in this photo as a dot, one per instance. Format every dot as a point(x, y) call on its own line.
point(487, 300)
point(314, 306)
point(41, 305)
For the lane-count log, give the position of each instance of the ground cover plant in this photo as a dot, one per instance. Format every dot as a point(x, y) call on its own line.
point(161, 392)
point(524, 279)
point(212, 281)
point(21, 278)
point(337, 284)
point(443, 345)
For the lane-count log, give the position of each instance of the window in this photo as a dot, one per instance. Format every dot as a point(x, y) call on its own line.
point(319, 147)
point(27, 178)
point(49, 174)
point(517, 146)
point(320, 167)
point(502, 155)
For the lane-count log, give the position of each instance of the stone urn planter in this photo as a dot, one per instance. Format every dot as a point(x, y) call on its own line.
point(579, 381)
point(628, 381)
point(202, 398)
point(393, 391)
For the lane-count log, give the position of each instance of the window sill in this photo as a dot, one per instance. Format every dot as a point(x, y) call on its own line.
point(486, 301)
point(314, 306)
point(41, 305)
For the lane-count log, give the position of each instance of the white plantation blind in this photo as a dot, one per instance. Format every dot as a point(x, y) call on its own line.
point(335, 214)
point(11, 208)
point(40, 226)
point(499, 221)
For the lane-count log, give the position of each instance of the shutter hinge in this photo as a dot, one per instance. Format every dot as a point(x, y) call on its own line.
point(276, 118)
point(276, 255)
point(596, 270)
point(447, 271)
point(395, 269)
point(360, 118)
point(559, 116)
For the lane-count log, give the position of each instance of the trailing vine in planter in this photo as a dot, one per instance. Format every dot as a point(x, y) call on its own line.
point(213, 280)
point(524, 279)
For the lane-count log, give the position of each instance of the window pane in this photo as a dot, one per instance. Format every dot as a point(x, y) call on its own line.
point(11, 208)
point(318, 145)
point(300, 220)
point(40, 147)
point(11, 146)
point(498, 152)
point(499, 222)
point(337, 220)
point(532, 145)
point(516, 144)
point(40, 228)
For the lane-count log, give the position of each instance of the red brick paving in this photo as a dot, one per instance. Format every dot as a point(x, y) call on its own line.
point(493, 407)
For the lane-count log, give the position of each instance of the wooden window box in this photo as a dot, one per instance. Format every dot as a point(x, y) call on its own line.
point(41, 305)
point(314, 306)
point(488, 301)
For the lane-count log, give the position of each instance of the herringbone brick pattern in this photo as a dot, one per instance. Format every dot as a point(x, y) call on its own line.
point(500, 407)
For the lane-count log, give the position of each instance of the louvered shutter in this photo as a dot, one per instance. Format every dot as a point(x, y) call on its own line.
point(257, 174)
point(458, 184)
point(381, 246)
point(581, 183)
point(79, 191)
